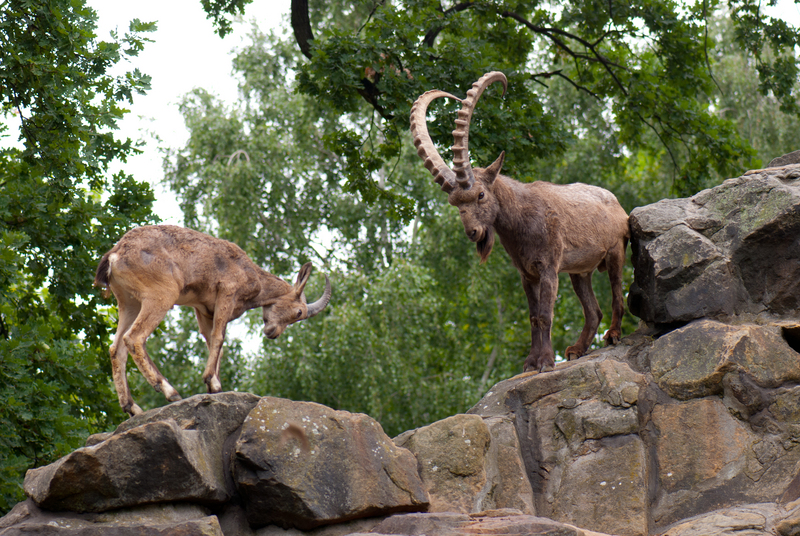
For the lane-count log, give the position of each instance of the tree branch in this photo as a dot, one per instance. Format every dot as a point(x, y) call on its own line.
point(430, 37)
point(301, 25)
point(552, 33)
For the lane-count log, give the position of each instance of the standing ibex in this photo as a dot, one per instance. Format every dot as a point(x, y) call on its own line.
point(153, 268)
point(545, 228)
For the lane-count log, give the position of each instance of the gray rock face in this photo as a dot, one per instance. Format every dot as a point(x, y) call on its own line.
point(469, 465)
point(351, 470)
point(785, 160)
point(170, 454)
point(726, 251)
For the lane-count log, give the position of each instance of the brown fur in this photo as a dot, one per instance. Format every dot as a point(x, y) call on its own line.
point(155, 267)
point(545, 228)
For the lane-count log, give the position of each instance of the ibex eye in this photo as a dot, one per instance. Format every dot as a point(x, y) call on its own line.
point(299, 313)
point(480, 195)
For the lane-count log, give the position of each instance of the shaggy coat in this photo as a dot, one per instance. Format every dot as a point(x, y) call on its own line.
point(545, 228)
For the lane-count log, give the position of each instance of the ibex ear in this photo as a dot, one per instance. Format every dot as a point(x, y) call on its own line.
point(302, 278)
point(494, 170)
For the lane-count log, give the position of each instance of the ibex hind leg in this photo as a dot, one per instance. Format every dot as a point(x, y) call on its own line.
point(151, 314)
point(616, 262)
point(582, 284)
point(128, 311)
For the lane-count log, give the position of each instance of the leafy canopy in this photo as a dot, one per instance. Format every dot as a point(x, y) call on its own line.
point(59, 211)
point(648, 65)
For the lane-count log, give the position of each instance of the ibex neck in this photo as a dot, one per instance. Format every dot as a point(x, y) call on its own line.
point(508, 197)
point(272, 287)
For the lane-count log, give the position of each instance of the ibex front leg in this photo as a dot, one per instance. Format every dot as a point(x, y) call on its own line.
point(541, 300)
point(213, 330)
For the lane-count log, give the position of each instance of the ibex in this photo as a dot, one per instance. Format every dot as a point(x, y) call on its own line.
point(545, 228)
point(155, 267)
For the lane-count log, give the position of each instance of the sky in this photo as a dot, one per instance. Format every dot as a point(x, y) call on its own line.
point(185, 54)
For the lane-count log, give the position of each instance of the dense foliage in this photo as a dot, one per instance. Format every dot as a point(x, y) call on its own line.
point(59, 210)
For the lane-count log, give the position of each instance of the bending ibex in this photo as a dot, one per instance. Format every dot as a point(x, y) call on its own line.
point(545, 228)
point(153, 268)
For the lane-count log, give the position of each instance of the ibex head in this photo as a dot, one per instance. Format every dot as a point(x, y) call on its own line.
point(291, 306)
point(470, 190)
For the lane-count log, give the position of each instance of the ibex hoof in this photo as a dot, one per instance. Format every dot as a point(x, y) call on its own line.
point(612, 337)
point(133, 409)
point(214, 385)
point(169, 392)
point(574, 352)
point(540, 365)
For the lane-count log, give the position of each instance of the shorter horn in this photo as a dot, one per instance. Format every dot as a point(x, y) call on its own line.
point(316, 307)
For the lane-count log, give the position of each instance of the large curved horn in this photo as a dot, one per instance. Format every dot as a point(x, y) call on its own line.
point(461, 165)
point(442, 175)
point(320, 304)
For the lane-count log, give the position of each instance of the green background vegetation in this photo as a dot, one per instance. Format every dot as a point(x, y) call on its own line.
point(652, 101)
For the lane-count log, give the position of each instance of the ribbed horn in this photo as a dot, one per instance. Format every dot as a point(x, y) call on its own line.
point(461, 165)
point(442, 175)
point(320, 304)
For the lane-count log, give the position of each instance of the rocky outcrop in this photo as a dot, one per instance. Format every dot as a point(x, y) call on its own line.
point(730, 250)
point(688, 427)
point(350, 470)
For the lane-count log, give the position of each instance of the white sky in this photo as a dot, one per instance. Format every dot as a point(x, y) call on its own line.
point(185, 54)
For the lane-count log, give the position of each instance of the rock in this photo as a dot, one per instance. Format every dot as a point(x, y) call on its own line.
point(470, 465)
point(578, 427)
point(452, 461)
point(729, 250)
point(692, 361)
point(173, 453)
point(352, 469)
point(452, 524)
point(156, 520)
point(745, 521)
point(785, 160)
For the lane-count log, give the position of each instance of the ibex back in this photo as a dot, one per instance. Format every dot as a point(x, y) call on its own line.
point(155, 267)
point(545, 228)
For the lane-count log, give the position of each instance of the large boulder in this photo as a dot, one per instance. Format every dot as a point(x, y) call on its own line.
point(169, 454)
point(26, 519)
point(726, 251)
point(470, 465)
point(351, 469)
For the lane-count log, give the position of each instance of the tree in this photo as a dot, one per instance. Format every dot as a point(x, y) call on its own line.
point(648, 65)
point(59, 211)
